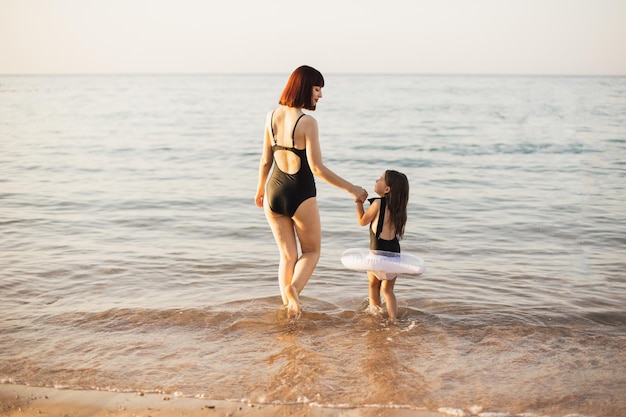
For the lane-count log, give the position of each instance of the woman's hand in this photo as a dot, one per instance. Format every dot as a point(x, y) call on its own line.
point(359, 193)
point(258, 199)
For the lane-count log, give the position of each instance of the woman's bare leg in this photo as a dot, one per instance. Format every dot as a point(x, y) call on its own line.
point(309, 232)
point(285, 236)
point(294, 272)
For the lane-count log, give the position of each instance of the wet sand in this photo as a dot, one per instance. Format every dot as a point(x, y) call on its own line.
point(25, 401)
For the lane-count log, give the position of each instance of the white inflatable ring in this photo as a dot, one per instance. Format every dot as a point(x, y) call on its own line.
point(381, 261)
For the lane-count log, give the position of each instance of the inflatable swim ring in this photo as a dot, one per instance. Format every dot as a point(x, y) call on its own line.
point(381, 261)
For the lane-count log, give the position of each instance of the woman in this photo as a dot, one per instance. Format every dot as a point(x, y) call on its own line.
point(291, 145)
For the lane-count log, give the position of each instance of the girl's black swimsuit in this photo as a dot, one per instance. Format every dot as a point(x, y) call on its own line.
point(286, 192)
point(376, 243)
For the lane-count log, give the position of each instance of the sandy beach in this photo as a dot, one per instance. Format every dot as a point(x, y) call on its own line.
point(25, 401)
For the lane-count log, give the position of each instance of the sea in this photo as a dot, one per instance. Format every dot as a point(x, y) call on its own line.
point(133, 257)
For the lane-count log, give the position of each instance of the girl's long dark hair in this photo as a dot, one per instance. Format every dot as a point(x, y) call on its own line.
point(397, 199)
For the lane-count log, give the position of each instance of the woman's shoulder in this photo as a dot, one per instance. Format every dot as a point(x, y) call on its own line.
point(269, 115)
point(308, 116)
point(307, 121)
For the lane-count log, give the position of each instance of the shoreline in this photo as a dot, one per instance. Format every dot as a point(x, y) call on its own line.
point(25, 401)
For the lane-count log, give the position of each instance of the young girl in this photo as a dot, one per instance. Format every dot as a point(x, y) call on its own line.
point(386, 216)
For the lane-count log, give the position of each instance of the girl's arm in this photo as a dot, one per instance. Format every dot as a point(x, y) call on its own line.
point(314, 155)
point(366, 217)
point(267, 159)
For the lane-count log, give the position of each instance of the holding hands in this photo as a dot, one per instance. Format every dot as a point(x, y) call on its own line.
point(359, 194)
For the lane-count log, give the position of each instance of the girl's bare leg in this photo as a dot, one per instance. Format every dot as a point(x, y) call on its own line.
point(390, 298)
point(374, 292)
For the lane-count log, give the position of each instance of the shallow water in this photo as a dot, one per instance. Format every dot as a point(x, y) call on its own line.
point(133, 257)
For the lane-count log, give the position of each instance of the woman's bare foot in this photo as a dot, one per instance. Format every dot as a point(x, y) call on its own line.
point(293, 305)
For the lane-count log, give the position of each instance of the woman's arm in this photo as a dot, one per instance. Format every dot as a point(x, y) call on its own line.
point(314, 156)
point(267, 159)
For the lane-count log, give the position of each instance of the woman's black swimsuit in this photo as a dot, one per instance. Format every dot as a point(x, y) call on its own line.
point(287, 191)
point(376, 243)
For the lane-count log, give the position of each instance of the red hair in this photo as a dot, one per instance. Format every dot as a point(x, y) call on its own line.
point(299, 89)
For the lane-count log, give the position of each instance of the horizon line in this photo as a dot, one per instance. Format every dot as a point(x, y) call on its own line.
point(377, 73)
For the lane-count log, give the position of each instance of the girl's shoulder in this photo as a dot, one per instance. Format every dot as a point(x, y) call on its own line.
point(375, 201)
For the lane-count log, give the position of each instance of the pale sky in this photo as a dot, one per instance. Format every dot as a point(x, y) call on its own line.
point(335, 36)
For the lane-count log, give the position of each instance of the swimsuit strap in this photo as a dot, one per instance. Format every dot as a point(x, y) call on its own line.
point(381, 215)
point(272, 126)
point(293, 133)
